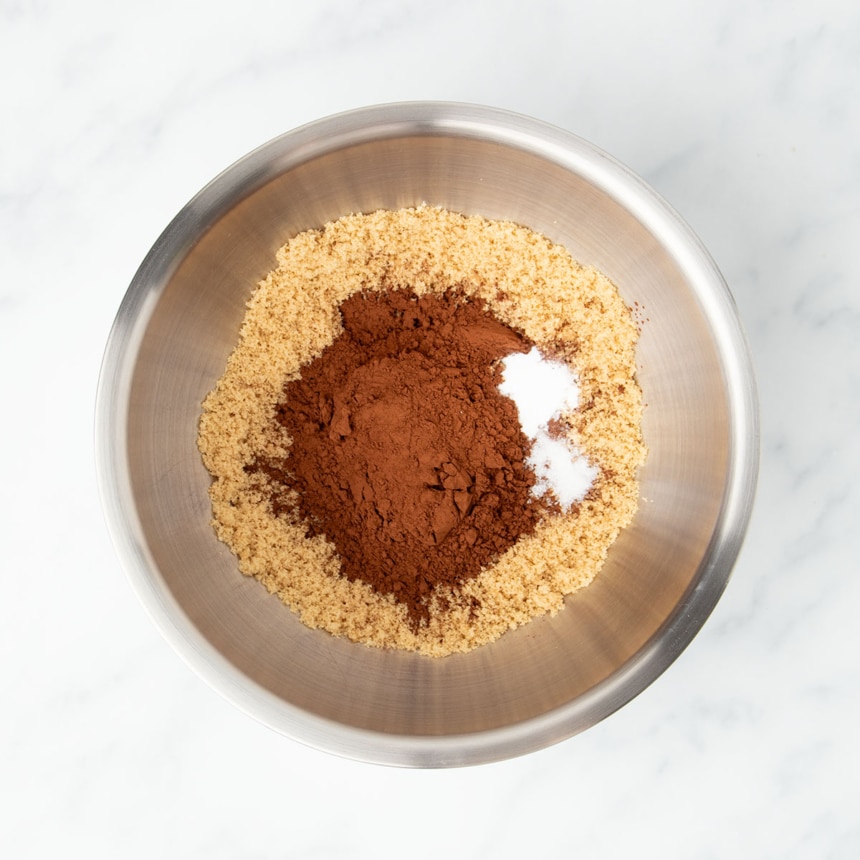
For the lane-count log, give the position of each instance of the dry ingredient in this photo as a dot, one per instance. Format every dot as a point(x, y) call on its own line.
point(543, 389)
point(375, 350)
point(403, 451)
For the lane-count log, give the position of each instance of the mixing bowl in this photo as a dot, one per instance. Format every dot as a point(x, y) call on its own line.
point(540, 683)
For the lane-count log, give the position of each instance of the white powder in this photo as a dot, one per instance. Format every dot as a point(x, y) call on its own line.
point(561, 468)
point(542, 390)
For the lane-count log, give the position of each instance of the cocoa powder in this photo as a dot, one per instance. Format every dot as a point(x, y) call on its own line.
point(404, 454)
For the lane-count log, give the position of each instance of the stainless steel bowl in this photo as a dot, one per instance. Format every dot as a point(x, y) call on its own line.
point(539, 684)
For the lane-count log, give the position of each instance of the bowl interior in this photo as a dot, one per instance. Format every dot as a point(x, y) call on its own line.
point(541, 682)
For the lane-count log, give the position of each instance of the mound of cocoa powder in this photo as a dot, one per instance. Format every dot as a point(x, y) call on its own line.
point(404, 454)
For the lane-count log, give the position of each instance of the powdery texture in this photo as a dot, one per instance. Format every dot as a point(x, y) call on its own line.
point(402, 449)
point(572, 312)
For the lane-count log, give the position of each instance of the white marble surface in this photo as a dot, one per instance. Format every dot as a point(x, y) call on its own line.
point(745, 115)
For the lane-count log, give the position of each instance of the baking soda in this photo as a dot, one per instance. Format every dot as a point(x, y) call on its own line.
point(542, 390)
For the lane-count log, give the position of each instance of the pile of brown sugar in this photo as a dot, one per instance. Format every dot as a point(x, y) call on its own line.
point(366, 468)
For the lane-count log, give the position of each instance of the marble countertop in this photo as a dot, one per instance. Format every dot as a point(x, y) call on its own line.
point(744, 115)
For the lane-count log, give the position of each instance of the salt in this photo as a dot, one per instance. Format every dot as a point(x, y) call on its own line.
point(542, 390)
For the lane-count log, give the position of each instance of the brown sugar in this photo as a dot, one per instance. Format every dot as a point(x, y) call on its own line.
point(365, 467)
